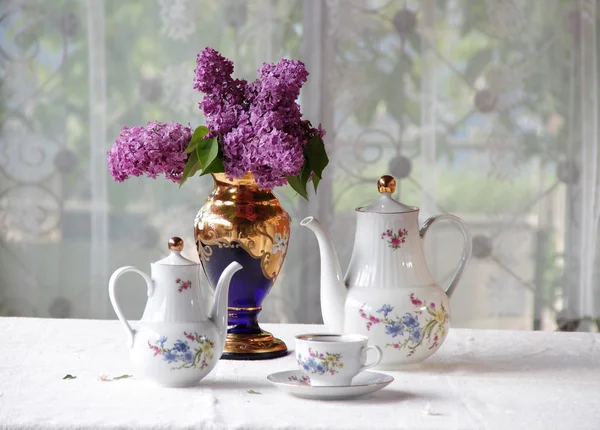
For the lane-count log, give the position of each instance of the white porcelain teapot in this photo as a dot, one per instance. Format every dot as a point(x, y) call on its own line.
point(388, 293)
point(176, 343)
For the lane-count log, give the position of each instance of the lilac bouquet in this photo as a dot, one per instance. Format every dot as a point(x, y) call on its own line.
point(251, 127)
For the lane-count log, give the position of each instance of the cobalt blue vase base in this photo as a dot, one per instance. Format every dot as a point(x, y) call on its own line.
point(247, 290)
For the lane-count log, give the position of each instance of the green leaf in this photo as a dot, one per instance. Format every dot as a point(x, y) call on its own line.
point(200, 132)
point(69, 376)
point(297, 185)
point(122, 377)
point(316, 181)
point(253, 392)
point(215, 167)
point(191, 167)
point(317, 156)
point(198, 135)
point(191, 147)
point(207, 150)
point(305, 174)
point(206, 157)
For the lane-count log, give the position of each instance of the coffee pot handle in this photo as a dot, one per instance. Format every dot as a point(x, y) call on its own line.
point(467, 246)
point(113, 299)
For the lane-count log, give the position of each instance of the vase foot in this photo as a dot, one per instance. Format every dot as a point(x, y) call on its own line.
point(258, 346)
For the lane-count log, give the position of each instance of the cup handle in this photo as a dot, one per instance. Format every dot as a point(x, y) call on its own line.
point(365, 351)
point(467, 247)
point(113, 299)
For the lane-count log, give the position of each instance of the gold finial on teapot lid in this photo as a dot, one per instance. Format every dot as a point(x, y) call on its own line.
point(175, 244)
point(386, 184)
point(175, 258)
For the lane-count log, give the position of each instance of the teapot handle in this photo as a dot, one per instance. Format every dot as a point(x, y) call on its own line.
point(113, 299)
point(467, 247)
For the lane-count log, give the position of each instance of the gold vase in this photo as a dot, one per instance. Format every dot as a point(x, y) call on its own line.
point(244, 223)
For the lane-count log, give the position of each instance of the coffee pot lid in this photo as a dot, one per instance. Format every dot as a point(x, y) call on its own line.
point(175, 258)
point(386, 185)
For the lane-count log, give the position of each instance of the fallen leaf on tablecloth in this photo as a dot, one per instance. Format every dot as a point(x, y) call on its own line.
point(122, 377)
point(253, 392)
point(429, 411)
point(106, 378)
point(69, 376)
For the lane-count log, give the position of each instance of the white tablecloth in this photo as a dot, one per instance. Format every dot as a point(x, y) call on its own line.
point(480, 379)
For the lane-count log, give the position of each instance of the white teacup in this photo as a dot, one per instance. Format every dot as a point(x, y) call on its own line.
point(333, 359)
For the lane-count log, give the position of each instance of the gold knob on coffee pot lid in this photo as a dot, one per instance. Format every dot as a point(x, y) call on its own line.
point(386, 184)
point(175, 244)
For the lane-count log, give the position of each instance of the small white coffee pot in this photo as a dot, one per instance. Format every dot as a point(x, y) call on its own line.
point(176, 344)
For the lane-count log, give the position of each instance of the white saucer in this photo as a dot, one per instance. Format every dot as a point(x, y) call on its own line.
point(294, 382)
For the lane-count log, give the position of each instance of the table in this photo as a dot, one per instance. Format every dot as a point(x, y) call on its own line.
point(479, 379)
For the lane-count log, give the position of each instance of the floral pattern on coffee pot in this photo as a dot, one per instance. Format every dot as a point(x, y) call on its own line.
point(388, 293)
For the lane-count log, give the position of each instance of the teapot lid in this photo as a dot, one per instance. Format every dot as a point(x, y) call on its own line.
point(386, 185)
point(175, 258)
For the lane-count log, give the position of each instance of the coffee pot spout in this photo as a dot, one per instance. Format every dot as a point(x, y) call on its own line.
point(333, 289)
point(218, 313)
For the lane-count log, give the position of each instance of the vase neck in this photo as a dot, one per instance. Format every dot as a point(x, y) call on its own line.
point(240, 189)
point(246, 180)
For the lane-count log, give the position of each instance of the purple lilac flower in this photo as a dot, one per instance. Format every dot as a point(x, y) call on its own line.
point(152, 150)
point(260, 124)
point(282, 81)
point(220, 117)
point(224, 99)
point(213, 72)
point(237, 151)
point(279, 154)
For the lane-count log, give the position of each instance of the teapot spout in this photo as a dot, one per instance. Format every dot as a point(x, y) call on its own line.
point(218, 313)
point(333, 289)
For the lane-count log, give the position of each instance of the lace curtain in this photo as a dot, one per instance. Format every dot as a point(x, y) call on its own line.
point(484, 109)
